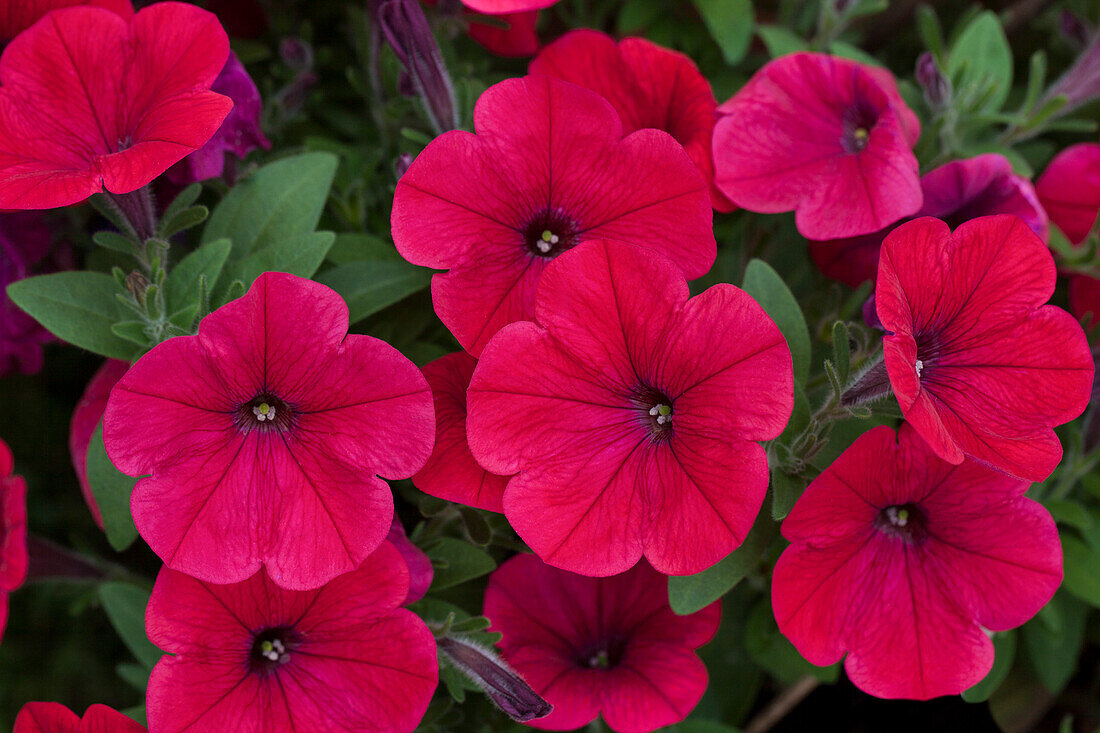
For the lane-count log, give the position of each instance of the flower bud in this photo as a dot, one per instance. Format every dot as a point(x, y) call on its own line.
point(296, 54)
point(489, 672)
point(1081, 83)
point(406, 30)
point(403, 162)
point(1074, 29)
point(936, 86)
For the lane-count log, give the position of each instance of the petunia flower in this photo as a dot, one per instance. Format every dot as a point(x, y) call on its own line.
point(52, 717)
point(420, 566)
point(1070, 190)
point(631, 414)
point(251, 656)
point(548, 169)
point(827, 137)
point(240, 133)
point(648, 85)
point(264, 434)
point(980, 367)
point(499, 7)
point(17, 16)
point(86, 417)
point(92, 101)
point(13, 531)
point(600, 646)
point(902, 561)
point(452, 473)
point(955, 192)
point(24, 243)
point(520, 38)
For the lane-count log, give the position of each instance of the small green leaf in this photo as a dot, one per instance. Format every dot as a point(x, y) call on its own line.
point(730, 23)
point(182, 285)
point(636, 15)
point(848, 51)
point(1080, 563)
point(1004, 649)
point(786, 490)
point(115, 241)
point(76, 306)
point(183, 200)
point(800, 416)
point(186, 219)
point(768, 289)
point(135, 674)
point(456, 562)
point(368, 287)
point(299, 254)
point(477, 527)
point(1054, 655)
point(279, 201)
point(1069, 513)
point(700, 726)
point(771, 650)
point(690, 593)
point(111, 489)
point(980, 63)
point(930, 31)
point(131, 331)
point(125, 606)
point(780, 41)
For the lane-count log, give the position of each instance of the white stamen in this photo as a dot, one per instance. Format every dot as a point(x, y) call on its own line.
point(898, 518)
point(653, 410)
point(272, 655)
point(664, 419)
point(920, 366)
point(543, 246)
point(554, 239)
point(264, 411)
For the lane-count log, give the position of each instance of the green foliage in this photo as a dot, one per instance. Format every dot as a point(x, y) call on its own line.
point(771, 650)
point(456, 562)
point(1054, 639)
point(768, 289)
point(1004, 648)
point(125, 605)
point(730, 23)
point(78, 307)
point(370, 286)
point(111, 489)
point(980, 64)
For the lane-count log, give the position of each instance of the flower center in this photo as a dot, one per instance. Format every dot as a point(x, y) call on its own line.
point(905, 521)
point(856, 127)
point(263, 412)
point(599, 660)
point(603, 654)
point(656, 411)
point(550, 233)
point(271, 649)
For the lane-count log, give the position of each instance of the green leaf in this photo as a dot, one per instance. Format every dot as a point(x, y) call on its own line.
point(780, 41)
point(980, 62)
point(730, 23)
point(842, 352)
point(182, 285)
point(690, 593)
point(768, 289)
point(771, 650)
point(111, 489)
point(125, 606)
point(183, 200)
point(800, 416)
point(930, 32)
point(1080, 563)
point(635, 15)
point(456, 562)
point(278, 201)
point(786, 490)
point(76, 306)
point(368, 287)
point(113, 240)
point(299, 254)
point(1004, 649)
point(700, 726)
point(135, 713)
point(848, 51)
point(1054, 655)
point(1069, 513)
point(186, 219)
point(135, 674)
point(355, 247)
point(131, 331)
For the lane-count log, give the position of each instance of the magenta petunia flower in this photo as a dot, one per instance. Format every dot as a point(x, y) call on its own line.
point(630, 414)
point(902, 560)
point(452, 473)
point(263, 435)
point(827, 137)
point(956, 192)
point(979, 365)
point(239, 134)
point(1070, 190)
point(420, 566)
point(17, 16)
point(52, 717)
point(499, 7)
point(92, 101)
point(548, 169)
point(85, 419)
point(254, 657)
point(13, 531)
point(24, 242)
point(520, 38)
point(648, 85)
point(593, 646)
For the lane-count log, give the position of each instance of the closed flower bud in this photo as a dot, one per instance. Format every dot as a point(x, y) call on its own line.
point(407, 31)
point(937, 88)
point(489, 672)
